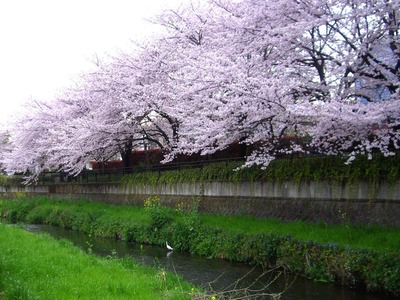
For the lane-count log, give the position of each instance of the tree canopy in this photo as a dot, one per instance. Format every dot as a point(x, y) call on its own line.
point(249, 71)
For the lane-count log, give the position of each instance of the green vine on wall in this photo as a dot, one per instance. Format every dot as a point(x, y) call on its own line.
point(317, 168)
point(298, 169)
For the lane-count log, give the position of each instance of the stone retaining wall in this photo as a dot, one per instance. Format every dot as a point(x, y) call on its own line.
point(312, 201)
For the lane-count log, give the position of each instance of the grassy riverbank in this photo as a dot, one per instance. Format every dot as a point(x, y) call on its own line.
point(353, 256)
point(35, 266)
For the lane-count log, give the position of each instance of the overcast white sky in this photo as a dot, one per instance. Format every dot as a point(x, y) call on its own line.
point(45, 43)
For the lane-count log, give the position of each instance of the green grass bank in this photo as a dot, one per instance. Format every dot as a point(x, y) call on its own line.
point(36, 266)
point(349, 255)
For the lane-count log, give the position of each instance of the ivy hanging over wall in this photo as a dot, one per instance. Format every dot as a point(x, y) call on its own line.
point(316, 168)
point(297, 169)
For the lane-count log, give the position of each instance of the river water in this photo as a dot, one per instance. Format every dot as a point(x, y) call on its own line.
point(216, 274)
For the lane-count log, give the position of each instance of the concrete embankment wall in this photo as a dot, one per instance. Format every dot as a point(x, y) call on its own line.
point(321, 201)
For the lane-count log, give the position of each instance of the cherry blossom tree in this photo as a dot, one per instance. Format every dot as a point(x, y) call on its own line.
point(139, 104)
point(287, 67)
point(234, 88)
point(249, 71)
point(356, 54)
point(31, 140)
point(4, 146)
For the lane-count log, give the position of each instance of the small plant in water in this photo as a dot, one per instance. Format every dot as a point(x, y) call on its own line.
point(90, 245)
point(113, 254)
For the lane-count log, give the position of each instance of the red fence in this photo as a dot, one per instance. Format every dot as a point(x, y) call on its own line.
point(152, 157)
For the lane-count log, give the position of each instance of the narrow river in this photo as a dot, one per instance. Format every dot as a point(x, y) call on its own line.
point(214, 273)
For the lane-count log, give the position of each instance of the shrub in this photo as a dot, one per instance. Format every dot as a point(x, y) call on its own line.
point(160, 215)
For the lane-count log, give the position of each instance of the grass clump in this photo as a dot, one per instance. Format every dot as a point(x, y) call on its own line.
point(36, 266)
point(372, 237)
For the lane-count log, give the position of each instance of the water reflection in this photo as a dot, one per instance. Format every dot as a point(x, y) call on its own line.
point(216, 273)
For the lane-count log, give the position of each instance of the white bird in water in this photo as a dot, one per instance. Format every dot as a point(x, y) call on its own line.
point(169, 247)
